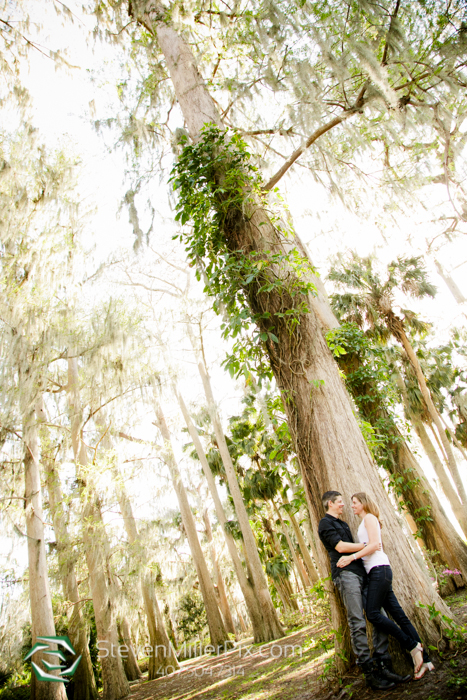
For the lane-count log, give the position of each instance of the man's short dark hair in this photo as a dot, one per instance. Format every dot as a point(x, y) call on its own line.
point(329, 496)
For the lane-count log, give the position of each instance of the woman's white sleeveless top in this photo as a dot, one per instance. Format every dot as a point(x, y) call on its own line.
point(378, 558)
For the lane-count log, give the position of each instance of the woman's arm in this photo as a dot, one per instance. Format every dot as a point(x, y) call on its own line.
point(349, 547)
point(371, 524)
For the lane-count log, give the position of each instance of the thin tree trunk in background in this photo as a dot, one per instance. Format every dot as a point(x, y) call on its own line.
point(272, 628)
point(281, 583)
point(170, 626)
point(130, 662)
point(303, 575)
point(330, 448)
point(306, 520)
point(459, 509)
point(310, 536)
point(162, 660)
point(242, 622)
point(94, 537)
point(440, 471)
point(221, 593)
point(326, 312)
point(311, 569)
point(260, 631)
point(219, 636)
point(42, 619)
point(84, 682)
point(285, 592)
point(435, 417)
point(450, 283)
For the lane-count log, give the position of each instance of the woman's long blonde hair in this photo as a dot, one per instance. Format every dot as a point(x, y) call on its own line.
point(369, 505)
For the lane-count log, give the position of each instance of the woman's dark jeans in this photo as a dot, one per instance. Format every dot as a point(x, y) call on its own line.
point(380, 595)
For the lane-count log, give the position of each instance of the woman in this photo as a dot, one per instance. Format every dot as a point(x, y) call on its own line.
point(379, 592)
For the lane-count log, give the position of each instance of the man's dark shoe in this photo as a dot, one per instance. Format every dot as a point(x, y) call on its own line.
point(385, 670)
point(373, 678)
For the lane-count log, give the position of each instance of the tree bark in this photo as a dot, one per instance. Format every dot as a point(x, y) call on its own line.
point(219, 636)
point(329, 445)
point(114, 680)
point(42, 619)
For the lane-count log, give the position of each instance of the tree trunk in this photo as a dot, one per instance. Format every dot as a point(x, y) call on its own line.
point(306, 520)
point(326, 317)
point(260, 630)
point(311, 568)
point(281, 583)
point(435, 417)
point(162, 659)
point(449, 491)
point(450, 283)
point(170, 626)
point(129, 660)
point(298, 565)
point(311, 538)
point(329, 445)
point(284, 589)
point(94, 537)
point(84, 682)
point(444, 480)
point(221, 592)
point(219, 636)
point(42, 619)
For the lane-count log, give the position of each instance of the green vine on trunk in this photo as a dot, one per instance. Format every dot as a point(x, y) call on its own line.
point(218, 186)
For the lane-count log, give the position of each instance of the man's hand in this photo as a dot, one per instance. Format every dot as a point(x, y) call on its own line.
point(344, 561)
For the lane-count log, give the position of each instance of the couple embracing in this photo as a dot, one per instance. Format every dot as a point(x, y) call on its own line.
point(362, 574)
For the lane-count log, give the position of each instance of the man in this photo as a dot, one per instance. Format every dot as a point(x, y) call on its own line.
point(335, 534)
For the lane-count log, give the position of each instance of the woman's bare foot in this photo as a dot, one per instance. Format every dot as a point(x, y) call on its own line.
point(426, 666)
point(417, 658)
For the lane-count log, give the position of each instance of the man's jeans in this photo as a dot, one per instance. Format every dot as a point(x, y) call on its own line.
point(351, 587)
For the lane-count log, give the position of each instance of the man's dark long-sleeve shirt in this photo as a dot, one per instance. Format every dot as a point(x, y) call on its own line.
point(331, 531)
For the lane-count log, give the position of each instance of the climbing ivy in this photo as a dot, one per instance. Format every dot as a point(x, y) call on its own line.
point(218, 185)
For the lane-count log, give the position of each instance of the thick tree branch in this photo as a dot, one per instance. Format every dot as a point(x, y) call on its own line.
point(314, 137)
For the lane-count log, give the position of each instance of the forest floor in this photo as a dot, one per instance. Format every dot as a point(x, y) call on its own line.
point(298, 667)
